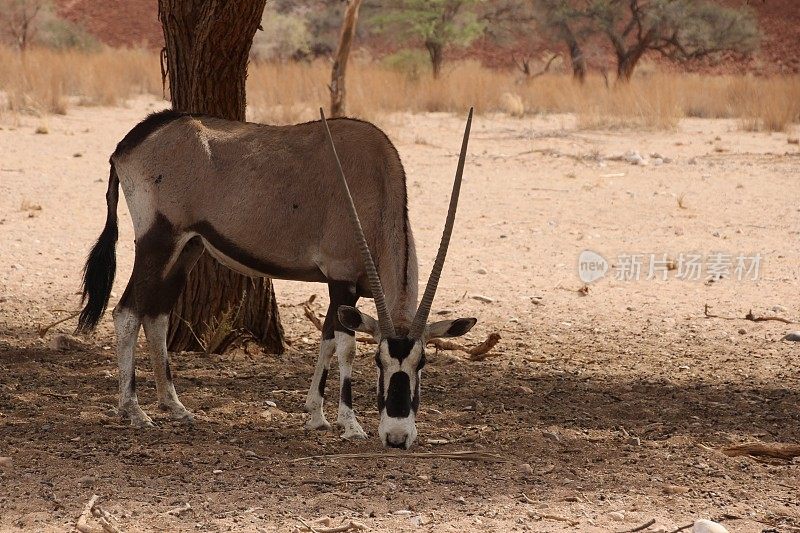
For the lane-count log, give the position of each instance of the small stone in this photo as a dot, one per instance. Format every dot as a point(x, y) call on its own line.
point(87, 481)
point(250, 453)
point(551, 436)
point(438, 442)
point(616, 515)
point(42, 130)
point(676, 489)
point(481, 298)
point(270, 403)
point(6, 463)
point(742, 331)
point(77, 154)
point(217, 471)
point(793, 140)
point(481, 271)
point(525, 468)
point(634, 441)
point(693, 161)
point(793, 336)
point(461, 500)
point(707, 526)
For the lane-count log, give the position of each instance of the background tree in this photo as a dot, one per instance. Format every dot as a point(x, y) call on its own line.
point(206, 55)
point(566, 21)
point(677, 29)
point(339, 69)
point(436, 23)
point(18, 20)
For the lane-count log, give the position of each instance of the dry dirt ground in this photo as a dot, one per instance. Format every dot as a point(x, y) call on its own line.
point(607, 408)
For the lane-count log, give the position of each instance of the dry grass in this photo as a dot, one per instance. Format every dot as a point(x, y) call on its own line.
point(46, 81)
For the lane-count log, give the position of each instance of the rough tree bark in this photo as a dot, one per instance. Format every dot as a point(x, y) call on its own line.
point(576, 56)
point(205, 57)
point(436, 53)
point(339, 69)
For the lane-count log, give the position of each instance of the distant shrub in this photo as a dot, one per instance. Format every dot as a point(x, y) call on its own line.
point(61, 34)
point(409, 62)
point(285, 36)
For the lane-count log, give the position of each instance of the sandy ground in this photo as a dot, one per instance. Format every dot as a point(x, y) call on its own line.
point(607, 408)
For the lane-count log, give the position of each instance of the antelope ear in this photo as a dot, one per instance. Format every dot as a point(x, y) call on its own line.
point(355, 320)
point(450, 328)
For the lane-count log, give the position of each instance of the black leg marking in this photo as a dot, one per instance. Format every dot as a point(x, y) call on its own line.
point(341, 293)
point(322, 381)
point(347, 392)
point(133, 382)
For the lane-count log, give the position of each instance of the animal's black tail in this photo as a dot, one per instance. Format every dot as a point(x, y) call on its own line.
point(101, 265)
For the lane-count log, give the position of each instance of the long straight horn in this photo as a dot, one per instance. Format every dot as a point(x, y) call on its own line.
point(384, 319)
point(421, 318)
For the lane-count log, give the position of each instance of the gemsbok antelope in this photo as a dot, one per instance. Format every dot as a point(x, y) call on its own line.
point(273, 201)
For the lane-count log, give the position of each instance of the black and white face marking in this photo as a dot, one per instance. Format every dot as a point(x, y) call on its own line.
point(400, 361)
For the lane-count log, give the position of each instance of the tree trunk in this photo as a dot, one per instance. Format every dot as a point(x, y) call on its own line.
point(626, 63)
point(342, 54)
point(206, 55)
point(576, 56)
point(436, 53)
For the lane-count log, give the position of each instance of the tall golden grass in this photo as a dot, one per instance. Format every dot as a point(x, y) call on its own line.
point(47, 81)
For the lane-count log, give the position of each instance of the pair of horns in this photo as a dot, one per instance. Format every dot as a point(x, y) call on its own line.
point(424, 309)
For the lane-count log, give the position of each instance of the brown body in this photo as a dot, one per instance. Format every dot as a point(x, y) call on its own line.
point(266, 199)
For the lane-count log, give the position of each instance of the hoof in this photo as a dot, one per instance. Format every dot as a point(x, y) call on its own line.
point(179, 414)
point(317, 423)
point(353, 431)
point(141, 421)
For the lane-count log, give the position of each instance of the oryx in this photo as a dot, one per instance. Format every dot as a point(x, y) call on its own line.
point(273, 201)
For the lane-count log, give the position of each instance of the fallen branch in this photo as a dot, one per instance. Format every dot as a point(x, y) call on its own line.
point(103, 518)
point(572, 522)
point(749, 316)
point(309, 312)
point(351, 525)
point(179, 510)
point(465, 455)
point(42, 330)
point(476, 353)
point(774, 450)
point(640, 528)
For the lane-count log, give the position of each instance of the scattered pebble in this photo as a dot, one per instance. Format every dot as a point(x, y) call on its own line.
point(793, 336)
point(676, 489)
point(87, 481)
point(526, 468)
point(270, 403)
point(742, 331)
point(616, 515)
point(481, 271)
point(708, 526)
point(481, 298)
point(42, 130)
point(6, 463)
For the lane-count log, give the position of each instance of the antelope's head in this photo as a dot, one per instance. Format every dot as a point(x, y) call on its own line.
point(401, 357)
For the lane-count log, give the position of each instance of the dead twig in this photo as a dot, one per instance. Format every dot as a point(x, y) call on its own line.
point(749, 316)
point(43, 329)
point(640, 528)
point(91, 509)
point(464, 455)
point(558, 518)
point(774, 450)
point(310, 313)
point(350, 525)
point(179, 510)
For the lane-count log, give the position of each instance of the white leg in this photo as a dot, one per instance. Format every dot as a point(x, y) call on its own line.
point(127, 325)
point(155, 329)
point(346, 351)
point(315, 397)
